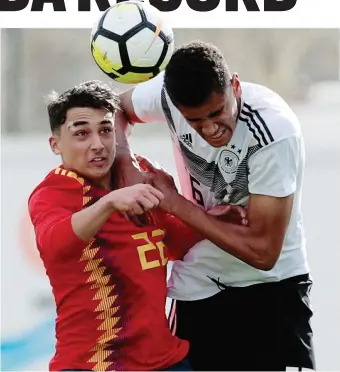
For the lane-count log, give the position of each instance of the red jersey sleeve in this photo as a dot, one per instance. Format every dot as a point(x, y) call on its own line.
point(179, 237)
point(51, 206)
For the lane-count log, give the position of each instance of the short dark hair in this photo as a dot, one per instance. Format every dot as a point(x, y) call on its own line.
point(93, 94)
point(194, 72)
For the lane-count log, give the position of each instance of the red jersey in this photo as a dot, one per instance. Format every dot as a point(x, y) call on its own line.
point(110, 293)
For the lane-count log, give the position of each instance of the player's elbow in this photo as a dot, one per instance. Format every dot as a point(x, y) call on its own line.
point(265, 255)
point(264, 263)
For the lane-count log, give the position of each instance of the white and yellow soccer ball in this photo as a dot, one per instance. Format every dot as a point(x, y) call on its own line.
point(131, 43)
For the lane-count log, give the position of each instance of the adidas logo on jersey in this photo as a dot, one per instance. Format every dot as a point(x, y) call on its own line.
point(187, 139)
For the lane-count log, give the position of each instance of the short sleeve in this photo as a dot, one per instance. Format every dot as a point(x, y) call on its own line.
point(274, 170)
point(147, 101)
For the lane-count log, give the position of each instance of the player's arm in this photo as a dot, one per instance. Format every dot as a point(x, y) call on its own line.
point(141, 104)
point(259, 244)
point(61, 224)
point(58, 227)
point(180, 237)
point(136, 199)
point(272, 183)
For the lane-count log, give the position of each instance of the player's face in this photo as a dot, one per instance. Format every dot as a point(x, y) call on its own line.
point(215, 120)
point(87, 143)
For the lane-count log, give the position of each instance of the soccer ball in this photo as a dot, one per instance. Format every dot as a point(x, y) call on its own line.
point(131, 43)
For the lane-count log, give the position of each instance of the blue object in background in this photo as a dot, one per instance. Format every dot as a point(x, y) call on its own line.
point(37, 343)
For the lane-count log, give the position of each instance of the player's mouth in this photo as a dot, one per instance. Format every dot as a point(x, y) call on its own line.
point(217, 135)
point(98, 161)
point(219, 138)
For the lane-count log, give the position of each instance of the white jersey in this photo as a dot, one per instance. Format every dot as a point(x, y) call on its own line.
point(264, 156)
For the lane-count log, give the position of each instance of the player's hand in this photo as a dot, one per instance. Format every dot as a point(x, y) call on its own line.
point(230, 213)
point(136, 200)
point(163, 181)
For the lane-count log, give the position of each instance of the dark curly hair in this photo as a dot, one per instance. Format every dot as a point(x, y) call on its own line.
point(194, 72)
point(93, 94)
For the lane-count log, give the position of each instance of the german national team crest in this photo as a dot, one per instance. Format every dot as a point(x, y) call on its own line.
point(228, 161)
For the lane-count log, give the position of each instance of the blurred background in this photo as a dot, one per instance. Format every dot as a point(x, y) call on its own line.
point(302, 65)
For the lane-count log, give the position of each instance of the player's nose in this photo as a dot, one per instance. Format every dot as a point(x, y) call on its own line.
point(208, 127)
point(96, 143)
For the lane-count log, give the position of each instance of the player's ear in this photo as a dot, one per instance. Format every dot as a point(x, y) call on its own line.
point(53, 140)
point(235, 82)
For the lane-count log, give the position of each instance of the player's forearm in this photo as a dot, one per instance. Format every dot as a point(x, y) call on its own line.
point(240, 241)
point(87, 222)
point(123, 131)
point(124, 155)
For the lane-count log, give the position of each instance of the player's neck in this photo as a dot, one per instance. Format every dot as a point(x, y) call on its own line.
point(102, 183)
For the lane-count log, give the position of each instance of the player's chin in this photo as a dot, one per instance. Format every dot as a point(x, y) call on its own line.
point(219, 142)
point(98, 171)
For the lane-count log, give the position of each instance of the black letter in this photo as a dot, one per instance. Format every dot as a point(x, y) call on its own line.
point(58, 5)
point(84, 5)
point(12, 5)
point(167, 5)
point(232, 5)
point(278, 5)
point(203, 6)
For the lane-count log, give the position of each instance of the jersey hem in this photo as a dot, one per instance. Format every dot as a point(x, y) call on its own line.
point(209, 292)
point(178, 355)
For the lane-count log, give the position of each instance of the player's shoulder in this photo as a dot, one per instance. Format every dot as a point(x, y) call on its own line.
point(267, 115)
point(59, 184)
